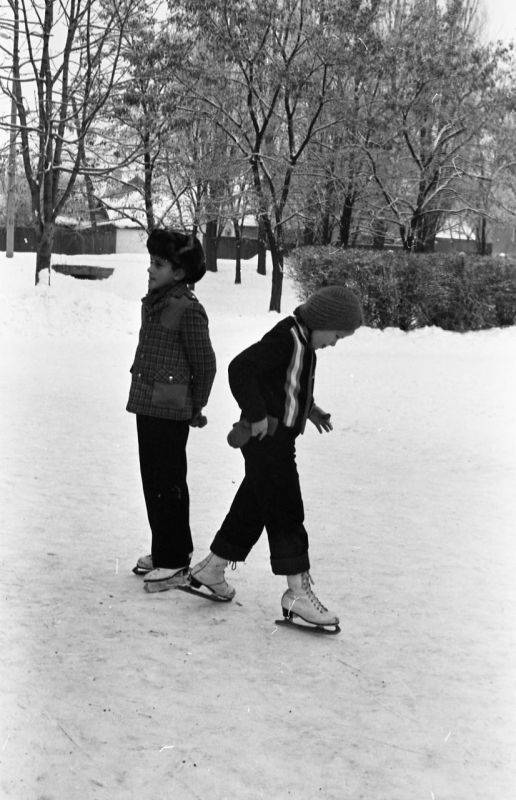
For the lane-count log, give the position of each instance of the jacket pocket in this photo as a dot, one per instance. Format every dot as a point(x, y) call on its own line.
point(169, 391)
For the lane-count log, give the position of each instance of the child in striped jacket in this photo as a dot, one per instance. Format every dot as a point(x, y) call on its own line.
point(272, 382)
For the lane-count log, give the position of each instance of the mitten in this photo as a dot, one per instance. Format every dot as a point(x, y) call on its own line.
point(240, 433)
point(198, 420)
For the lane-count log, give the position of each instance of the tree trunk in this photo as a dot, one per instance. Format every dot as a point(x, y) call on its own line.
point(308, 234)
point(44, 249)
point(422, 235)
point(276, 248)
point(310, 225)
point(277, 281)
point(345, 221)
point(210, 245)
point(379, 233)
point(481, 236)
point(10, 212)
point(326, 222)
point(238, 251)
point(147, 184)
point(262, 248)
point(326, 228)
point(92, 203)
point(404, 237)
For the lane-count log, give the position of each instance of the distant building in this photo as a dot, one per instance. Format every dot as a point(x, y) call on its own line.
point(504, 238)
point(129, 236)
point(455, 236)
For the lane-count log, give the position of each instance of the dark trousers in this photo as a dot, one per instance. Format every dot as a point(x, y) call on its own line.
point(162, 450)
point(270, 497)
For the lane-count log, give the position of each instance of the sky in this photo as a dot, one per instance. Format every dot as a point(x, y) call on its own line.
point(501, 18)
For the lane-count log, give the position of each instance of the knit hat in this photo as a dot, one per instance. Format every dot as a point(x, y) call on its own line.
point(181, 249)
point(333, 308)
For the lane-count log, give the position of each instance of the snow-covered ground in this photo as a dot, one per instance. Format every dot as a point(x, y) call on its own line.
point(109, 693)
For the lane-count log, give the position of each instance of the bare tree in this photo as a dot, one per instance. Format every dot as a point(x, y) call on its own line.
point(265, 82)
point(176, 163)
point(439, 88)
point(65, 61)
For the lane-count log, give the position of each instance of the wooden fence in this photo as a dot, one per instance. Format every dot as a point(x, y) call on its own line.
point(70, 241)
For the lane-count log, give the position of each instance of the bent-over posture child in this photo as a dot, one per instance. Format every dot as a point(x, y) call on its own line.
point(272, 382)
point(172, 375)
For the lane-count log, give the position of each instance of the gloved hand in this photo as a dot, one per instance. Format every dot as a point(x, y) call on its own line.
point(321, 419)
point(198, 420)
point(242, 431)
point(239, 434)
point(259, 429)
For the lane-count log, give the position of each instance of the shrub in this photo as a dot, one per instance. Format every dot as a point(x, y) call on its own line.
point(455, 292)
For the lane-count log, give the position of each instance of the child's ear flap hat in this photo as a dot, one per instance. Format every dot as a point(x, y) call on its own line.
point(191, 258)
point(333, 308)
point(182, 250)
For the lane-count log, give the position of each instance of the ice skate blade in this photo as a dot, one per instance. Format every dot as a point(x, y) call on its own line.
point(195, 588)
point(308, 627)
point(160, 586)
point(289, 619)
point(139, 571)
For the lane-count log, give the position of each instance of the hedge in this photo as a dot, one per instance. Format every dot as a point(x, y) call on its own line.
point(411, 290)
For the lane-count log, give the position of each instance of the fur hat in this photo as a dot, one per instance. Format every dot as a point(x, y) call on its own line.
point(333, 308)
point(181, 249)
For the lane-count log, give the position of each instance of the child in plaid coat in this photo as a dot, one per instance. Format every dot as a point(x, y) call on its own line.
point(172, 375)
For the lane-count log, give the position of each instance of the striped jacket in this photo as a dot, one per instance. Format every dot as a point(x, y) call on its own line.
point(174, 366)
point(275, 376)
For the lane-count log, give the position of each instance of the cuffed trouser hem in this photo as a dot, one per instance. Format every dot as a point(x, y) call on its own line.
point(290, 566)
point(223, 549)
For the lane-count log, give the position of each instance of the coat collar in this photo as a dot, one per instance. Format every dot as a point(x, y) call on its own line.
point(303, 329)
point(164, 292)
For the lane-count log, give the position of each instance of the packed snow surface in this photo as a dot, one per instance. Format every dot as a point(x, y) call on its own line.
point(109, 693)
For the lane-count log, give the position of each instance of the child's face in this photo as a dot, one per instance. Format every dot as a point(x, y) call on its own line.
point(322, 339)
point(163, 272)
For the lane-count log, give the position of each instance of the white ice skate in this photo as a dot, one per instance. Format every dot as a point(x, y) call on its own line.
point(161, 579)
point(209, 573)
point(300, 601)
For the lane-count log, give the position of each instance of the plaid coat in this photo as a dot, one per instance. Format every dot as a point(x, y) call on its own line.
point(174, 366)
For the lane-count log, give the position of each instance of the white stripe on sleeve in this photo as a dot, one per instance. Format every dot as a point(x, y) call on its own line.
point(292, 384)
